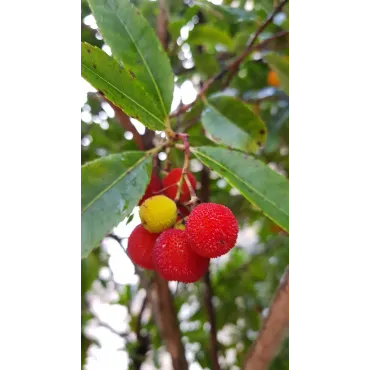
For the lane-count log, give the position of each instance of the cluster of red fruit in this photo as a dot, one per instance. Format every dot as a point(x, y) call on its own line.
point(162, 242)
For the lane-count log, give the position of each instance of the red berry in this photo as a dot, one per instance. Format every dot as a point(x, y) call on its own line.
point(211, 230)
point(170, 184)
point(153, 188)
point(175, 261)
point(140, 247)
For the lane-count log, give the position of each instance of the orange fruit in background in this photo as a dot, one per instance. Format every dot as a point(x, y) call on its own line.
point(276, 229)
point(272, 79)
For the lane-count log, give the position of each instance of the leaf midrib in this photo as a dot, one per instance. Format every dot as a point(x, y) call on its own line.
point(121, 92)
point(112, 184)
point(243, 181)
point(142, 57)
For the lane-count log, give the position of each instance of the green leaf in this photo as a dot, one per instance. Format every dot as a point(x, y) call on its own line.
point(134, 43)
point(232, 122)
point(205, 34)
point(206, 64)
point(281, 66)
point(119, 86)
point(256, 182)
point(228, 13)
point(110, 189)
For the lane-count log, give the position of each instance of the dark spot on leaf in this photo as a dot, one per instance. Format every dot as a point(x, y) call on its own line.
point(262, 131)
point(94, 66)
point(132, 74)
point(259, 143)
point(89, 51)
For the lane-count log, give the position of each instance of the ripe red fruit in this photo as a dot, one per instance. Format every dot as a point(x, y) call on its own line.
point(140, 247)
point(211, 230)
point(170, 185)
point(153, 188)
point(175, 261)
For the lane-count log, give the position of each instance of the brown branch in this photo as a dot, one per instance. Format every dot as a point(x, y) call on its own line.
point(274, 330)
point(233, 67)
point(166, 319)
point(124, 120)
point(162, 24)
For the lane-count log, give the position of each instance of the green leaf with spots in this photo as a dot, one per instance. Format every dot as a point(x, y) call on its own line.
point(119, 86)
point(209, 35)
point(258, 183)
point(231, 122)
point(134, 44)
point(281, 66)
point(110, 189)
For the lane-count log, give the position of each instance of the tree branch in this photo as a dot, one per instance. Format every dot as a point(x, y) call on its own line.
point(162, 23)
point(124, 120)
point(233, 67)
point(249, 48)
point(166, 319)
point(274, 330)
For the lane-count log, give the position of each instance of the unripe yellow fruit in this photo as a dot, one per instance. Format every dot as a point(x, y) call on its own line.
point(179, 225)
point(158, 213)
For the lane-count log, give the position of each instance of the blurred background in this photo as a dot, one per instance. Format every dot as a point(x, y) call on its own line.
point(119, 322)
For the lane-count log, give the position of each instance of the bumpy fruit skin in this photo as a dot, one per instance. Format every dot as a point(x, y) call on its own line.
point(272, 79)
point(154, 186)
point(140, 247)
point(158, 213)
point(170, 184)
point(211, 230)
point(175, 261)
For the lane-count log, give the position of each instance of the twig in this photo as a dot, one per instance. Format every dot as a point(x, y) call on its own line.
point(274, 330)
point(233, 67)
point(248, 49)
point(114, 331)
point(124, 120)
point(162, 23)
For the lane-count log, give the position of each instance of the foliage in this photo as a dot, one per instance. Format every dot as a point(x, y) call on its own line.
point(239, 138)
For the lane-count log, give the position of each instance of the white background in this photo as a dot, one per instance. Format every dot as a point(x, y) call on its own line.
point(40, 185)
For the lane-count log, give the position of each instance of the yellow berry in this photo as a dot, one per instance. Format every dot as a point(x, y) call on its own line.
point(179, 225)
point(158, 213)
